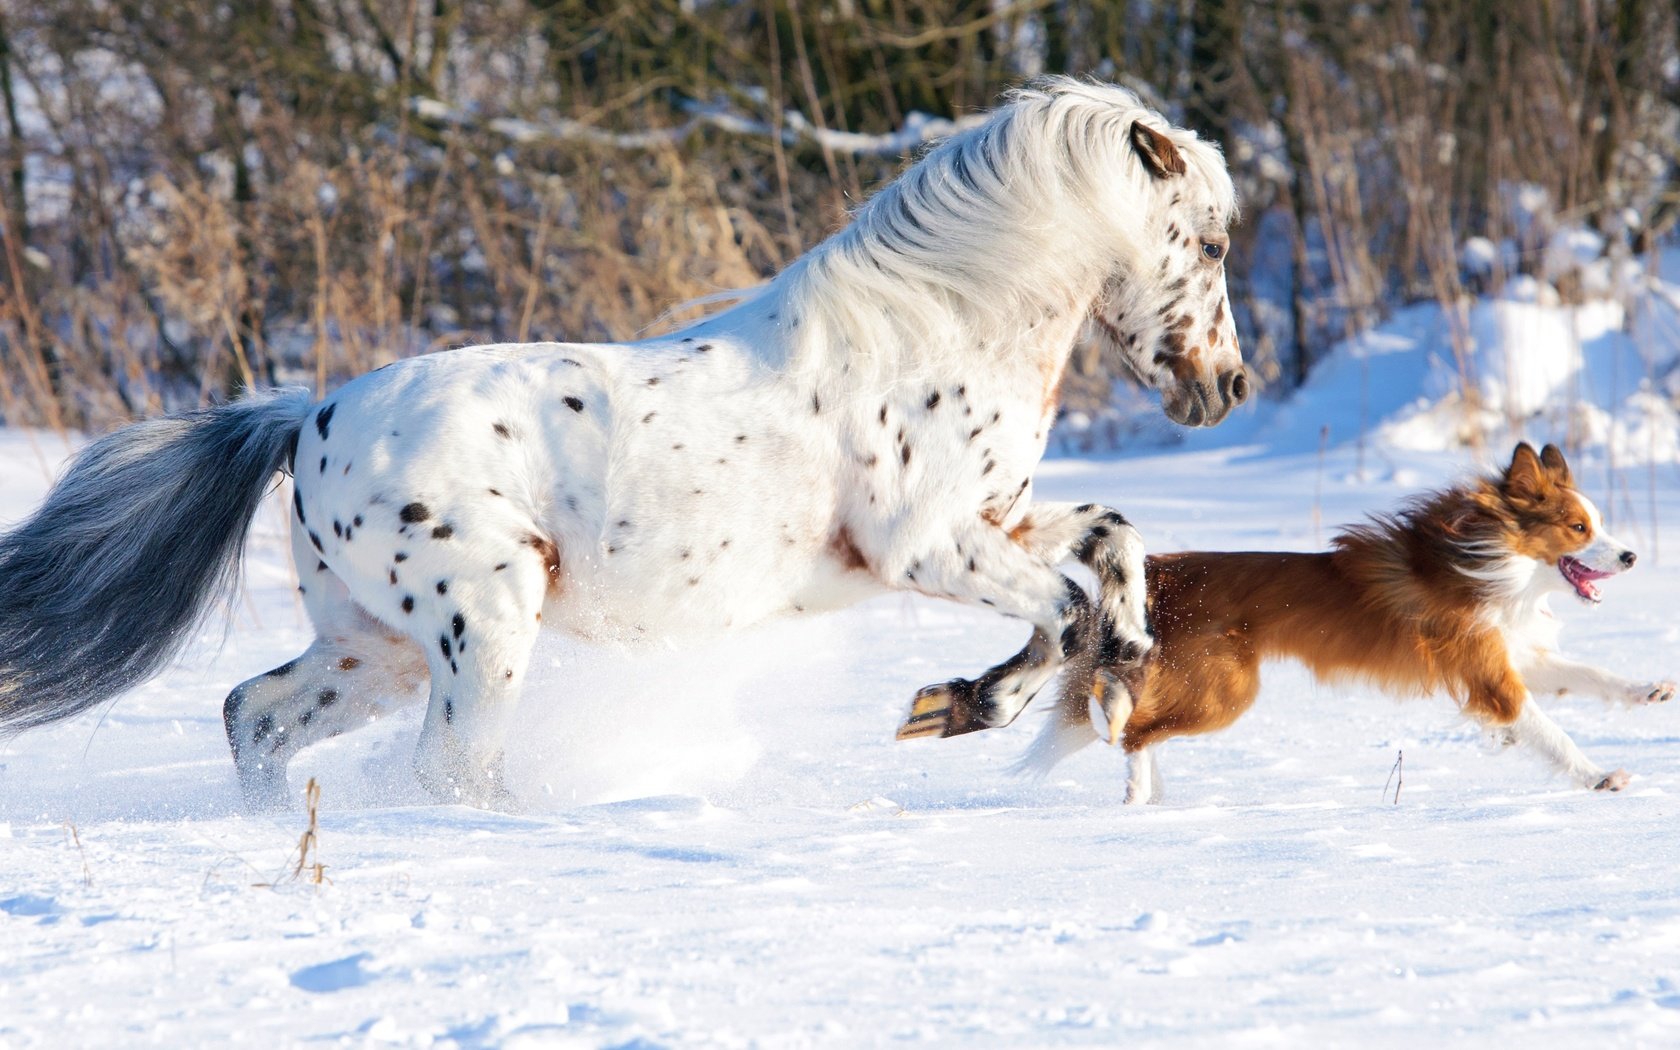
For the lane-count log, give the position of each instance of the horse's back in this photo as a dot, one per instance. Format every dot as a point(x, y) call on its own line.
point(674, 482)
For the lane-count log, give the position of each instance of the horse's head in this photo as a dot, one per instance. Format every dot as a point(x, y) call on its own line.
point(1164, 309)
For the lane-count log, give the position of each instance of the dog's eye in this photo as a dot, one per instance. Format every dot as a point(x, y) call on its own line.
point(1212, 252)
point(1579, 526)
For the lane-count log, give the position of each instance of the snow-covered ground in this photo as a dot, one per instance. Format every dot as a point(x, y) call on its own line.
point(725, 847)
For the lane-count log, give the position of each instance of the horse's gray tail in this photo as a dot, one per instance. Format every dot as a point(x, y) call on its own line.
point(108, 579)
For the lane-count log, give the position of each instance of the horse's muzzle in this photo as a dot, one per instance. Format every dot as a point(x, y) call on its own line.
point(1197, 404)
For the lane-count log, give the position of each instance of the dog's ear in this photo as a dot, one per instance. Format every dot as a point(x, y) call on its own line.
point(1525, 477)
point(1160, 157)
point(1552, 457)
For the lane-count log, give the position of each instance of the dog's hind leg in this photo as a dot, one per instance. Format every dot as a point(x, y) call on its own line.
point(1535, 731)
point(1143, 783)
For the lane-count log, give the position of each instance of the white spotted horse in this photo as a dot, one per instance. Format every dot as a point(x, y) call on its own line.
point(867, 421)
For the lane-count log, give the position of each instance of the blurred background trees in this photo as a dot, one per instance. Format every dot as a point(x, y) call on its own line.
point(197, 196)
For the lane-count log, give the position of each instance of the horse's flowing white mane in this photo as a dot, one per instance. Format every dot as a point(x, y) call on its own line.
point(991, 234)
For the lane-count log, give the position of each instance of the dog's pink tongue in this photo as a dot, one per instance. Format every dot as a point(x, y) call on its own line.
point(1581, 578)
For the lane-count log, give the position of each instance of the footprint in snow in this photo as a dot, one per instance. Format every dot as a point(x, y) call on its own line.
point(335, 976)
point(28, 905)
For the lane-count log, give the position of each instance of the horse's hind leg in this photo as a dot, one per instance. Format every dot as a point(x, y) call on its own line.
point(340, 682)
point(478, 650)
point(343, 680)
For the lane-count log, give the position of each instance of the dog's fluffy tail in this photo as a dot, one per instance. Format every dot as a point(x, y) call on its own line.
point(104, 584)
point(1059, 738)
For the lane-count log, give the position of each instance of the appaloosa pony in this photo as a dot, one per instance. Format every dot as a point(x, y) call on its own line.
point(867, 421)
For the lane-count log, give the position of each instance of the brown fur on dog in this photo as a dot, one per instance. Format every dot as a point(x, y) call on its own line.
point(1402, 603)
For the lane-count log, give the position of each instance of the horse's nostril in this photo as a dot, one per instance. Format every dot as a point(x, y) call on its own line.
point(1628, 558)
point(1233, 387)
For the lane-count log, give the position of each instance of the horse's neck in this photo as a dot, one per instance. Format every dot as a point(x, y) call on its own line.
point(968, 334)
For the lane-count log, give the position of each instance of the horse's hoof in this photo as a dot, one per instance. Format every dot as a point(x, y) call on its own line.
point(947, 709)
point(264, 790)
point(1614, 781)
point(929, 713)
point(466, 786)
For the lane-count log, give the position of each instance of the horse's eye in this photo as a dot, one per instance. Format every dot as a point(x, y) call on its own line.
point(1579, 527)
point(1213, 251)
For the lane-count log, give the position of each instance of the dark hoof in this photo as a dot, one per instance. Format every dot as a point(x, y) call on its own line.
point(1613, 782)
point(947, 709)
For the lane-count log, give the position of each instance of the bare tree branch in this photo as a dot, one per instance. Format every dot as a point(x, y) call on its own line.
point(917, 130)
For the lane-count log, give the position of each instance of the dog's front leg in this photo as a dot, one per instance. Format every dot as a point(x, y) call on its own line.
point(1534, 730)
point(1551, 673)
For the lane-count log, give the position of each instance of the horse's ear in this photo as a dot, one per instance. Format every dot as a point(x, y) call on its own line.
point(1553, 459)
point(1160, 157)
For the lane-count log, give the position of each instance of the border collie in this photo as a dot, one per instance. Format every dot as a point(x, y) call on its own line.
point(1447, 596)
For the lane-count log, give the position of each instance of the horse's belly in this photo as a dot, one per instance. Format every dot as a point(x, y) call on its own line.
point(703, 576)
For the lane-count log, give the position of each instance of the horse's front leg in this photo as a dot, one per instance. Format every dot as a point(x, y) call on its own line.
point(985, 566)
point(1106, 543)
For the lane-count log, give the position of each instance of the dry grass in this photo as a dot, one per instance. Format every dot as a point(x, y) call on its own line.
point(81, 854)
point(308, 867)
point(250, 198)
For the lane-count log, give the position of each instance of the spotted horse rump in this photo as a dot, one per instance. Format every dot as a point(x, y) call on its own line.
point(867, 421)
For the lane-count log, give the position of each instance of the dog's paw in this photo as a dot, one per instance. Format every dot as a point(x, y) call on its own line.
point(1613, 781)
point(1655, 693)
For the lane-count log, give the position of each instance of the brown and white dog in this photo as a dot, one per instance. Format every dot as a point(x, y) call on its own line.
point(1448, 596)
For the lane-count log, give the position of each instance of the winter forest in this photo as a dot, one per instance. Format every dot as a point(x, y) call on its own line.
point(204, 196)
point(1458, 228)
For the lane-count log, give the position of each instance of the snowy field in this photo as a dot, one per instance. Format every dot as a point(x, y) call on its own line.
point(726, 848)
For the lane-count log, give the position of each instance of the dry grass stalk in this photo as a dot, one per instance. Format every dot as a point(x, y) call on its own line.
point(76, 838)
point(309, 866)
